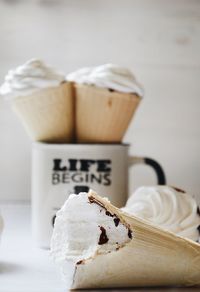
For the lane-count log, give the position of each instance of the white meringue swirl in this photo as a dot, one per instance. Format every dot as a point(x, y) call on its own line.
point(29, 77)
point(167, 207)
point(108, 76)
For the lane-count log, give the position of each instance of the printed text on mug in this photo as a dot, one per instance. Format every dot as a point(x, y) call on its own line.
point(81, 171)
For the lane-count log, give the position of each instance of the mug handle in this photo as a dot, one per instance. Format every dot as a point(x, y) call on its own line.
point(161, 178)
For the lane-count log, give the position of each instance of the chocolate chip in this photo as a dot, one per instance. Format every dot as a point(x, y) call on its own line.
point(116, 221)
point(93, 200)
point(198, 210)
point(109, 214)
point(129, 233)
point(103, 237)
point(178, 190)
point(53, 220)
point(79, 262)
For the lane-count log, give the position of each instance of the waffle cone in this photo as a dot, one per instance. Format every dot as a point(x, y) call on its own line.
point(101, 115)
point(153, 257)
point(48, 115)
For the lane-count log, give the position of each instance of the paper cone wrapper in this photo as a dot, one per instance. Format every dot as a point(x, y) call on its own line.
point(153, 257)
point(48, 114)
point(101, 115)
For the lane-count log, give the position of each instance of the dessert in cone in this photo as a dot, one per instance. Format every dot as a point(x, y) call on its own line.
point(48, 114)
point(149, 256)
point(103, 115)
point(168, 207)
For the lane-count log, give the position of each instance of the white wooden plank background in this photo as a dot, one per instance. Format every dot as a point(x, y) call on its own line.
point(159, 40)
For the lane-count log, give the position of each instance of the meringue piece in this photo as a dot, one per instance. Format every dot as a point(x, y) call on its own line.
point(167, 207)
point(148, 256)
point(82, 226)
point(108, 76)
point(30, 77)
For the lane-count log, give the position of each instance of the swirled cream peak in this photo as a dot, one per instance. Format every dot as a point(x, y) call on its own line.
point(108, 76)
point(167, 207)
point(29, 77)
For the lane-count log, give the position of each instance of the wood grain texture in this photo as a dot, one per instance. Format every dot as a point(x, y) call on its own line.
point(159, 40)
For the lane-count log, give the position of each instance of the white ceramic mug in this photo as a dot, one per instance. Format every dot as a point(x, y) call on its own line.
point(61, 169)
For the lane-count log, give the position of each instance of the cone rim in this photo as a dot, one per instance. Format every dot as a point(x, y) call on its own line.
point(107, 90)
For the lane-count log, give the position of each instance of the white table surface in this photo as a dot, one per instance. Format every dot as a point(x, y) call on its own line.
point(25, 268)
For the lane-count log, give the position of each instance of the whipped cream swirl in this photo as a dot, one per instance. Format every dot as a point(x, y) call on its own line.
point(29, 77)
point(108, 76)
point(167, 207)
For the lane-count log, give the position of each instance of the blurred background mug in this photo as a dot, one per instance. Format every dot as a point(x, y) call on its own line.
point(59, 170)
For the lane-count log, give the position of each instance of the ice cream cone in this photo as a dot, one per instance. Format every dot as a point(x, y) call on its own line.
point(153, 257)
point(103, 115)
point(48, 114)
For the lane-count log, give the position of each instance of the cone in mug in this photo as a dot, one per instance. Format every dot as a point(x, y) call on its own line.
point(153, 257)
point(48, 114)
point(103, 115)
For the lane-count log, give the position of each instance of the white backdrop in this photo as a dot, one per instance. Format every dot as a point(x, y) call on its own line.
point(159, 40)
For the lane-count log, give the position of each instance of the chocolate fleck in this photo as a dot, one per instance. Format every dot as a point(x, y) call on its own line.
point(116, 221)
point(198, 210)
point(129, 233)
point(53, 220)
point(93, 200)
point(179, 190)
point(109, 214)
point(103, 236)
point(79, 262)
